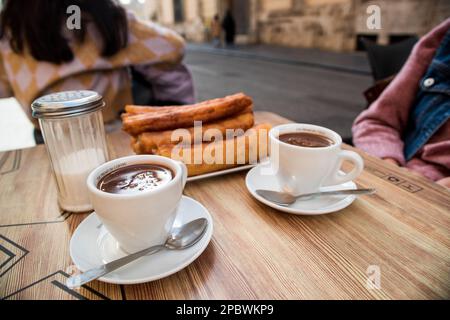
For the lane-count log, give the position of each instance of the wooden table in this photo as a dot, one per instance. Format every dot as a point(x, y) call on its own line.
point(400, 236)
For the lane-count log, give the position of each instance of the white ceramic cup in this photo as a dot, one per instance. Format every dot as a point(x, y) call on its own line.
point(141, 220)
point(301, 170)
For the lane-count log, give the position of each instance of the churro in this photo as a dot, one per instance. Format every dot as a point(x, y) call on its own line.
point(148, 142)
point(209, 157)
point(182, 117)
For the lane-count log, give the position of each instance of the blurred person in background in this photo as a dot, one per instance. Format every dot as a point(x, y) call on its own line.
point(39, 54)
point(216, 31)
point(229, 26)
point(408, 125)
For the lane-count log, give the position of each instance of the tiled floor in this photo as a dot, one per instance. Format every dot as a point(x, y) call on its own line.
point(16, 131)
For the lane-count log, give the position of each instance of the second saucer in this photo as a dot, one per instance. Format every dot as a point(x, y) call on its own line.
point(257, 180)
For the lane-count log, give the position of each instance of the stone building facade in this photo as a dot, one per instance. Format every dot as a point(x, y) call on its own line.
point(326, 24)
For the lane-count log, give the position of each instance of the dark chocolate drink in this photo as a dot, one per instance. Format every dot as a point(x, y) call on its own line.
point(306, 139)
point(135, 179)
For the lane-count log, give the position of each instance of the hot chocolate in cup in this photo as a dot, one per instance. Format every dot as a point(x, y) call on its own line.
point(306, 157)
point(137, 197)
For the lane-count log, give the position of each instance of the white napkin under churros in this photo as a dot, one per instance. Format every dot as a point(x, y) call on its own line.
point(154, 131)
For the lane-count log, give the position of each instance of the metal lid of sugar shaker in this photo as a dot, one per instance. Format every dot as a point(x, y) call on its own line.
point(67, 104)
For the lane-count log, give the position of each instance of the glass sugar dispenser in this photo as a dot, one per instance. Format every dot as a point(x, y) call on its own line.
point(72, 126)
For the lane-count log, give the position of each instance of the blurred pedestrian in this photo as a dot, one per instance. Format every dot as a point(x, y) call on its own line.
point(409, 124)
point(216, 31)
point(229, 25)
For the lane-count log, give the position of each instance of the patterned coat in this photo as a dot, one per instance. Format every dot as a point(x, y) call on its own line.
point(152, 50)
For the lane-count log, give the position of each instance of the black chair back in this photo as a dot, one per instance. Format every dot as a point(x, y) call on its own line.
point(386, 61)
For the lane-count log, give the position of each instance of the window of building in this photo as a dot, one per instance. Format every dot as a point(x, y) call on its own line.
point(178, 10)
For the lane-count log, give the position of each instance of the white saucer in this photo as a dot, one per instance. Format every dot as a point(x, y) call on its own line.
point(255, 180)
point(91, 245)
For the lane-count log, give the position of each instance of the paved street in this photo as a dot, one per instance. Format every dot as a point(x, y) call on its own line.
point(304, 85)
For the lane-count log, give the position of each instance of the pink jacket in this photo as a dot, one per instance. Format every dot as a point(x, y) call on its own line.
point(378, 130)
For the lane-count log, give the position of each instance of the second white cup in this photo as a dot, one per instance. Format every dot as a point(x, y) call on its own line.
point(301, 170)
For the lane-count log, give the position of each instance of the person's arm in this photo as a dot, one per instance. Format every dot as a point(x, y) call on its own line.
point(379, 129)
point(163, 64)
point(151, 43)
point(391, 161)
point(172, 84)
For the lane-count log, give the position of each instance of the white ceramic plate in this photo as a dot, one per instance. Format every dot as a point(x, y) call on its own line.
point(221, 172)
point(255, 180)
point(91, 245)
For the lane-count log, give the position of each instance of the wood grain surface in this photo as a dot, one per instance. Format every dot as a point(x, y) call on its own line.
point(256, 252)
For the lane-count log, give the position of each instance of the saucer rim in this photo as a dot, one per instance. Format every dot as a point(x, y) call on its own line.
point(206, 240)
point(340, 205)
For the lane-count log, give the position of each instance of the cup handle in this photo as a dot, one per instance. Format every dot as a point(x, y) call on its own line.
point(184, 172)
point(338, 177)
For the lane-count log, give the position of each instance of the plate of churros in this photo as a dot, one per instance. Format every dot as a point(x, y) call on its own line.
point(211, 138)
